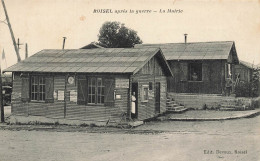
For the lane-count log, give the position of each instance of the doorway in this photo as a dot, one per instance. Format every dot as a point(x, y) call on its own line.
point(134, 101)
point(157, 97)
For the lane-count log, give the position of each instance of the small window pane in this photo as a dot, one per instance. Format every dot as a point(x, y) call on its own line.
point(102, 99)
point(93, 99)
point(145, 93)
point(37, 88)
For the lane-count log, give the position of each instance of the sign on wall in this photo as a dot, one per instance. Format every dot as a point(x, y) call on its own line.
point(122, 83)
point(60, 95)
point(73, 96)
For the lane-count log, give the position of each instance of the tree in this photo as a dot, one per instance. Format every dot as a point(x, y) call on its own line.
point(116, 35)
point(255, 82)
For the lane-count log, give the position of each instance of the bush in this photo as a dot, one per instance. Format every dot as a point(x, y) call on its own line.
point(243, 89)
point(256, 102)
point(249, 89)
point(255, 83)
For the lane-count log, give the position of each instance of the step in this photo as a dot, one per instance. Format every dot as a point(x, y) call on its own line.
point(227, 109)
point(136, 123)
point(229, 106)
point(179, 107)
point(172, 102)
point(178, 110)
point(175, 108)
point(173, 105)
point(169, 100)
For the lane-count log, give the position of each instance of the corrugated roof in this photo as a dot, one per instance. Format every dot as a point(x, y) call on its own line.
point(106, 60)
point(194, 51)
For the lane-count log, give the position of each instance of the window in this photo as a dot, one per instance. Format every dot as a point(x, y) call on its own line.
point(150, 85)
point(100, 91)
point(195, 71)
point(228, 71)
point(145, 93)
point(37, 88)
point(96, 91)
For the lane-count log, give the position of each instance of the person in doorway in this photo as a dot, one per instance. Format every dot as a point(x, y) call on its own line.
point(228, 86)
point(133, 99)
point(194, 76)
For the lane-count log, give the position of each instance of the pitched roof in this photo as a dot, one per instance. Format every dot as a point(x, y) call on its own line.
point(248, 65)
point(106, 60)
point(195, 50)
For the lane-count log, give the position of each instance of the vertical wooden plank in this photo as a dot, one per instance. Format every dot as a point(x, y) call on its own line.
point(25, 88)
point(49, 89)
point(65, 95)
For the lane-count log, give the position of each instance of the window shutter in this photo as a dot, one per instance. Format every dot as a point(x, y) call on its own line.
point(49, 89)
point(82, 92)
point(25, 88)
point(205, 72)
point(184, 71)
point(109, 92)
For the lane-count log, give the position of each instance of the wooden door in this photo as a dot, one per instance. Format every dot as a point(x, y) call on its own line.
point(134, 90)
point(157, 97)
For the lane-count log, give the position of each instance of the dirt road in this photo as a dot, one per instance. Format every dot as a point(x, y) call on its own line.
point(177, 141)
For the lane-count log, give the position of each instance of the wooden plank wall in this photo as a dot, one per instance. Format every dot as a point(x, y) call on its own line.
point(245, 72)
point(151, 72)
point(196, 101)
point(147, 109)
point(213, 78)
point(73, 111)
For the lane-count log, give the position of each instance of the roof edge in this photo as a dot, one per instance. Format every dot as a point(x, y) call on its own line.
point(149, 58)
point(182, 43)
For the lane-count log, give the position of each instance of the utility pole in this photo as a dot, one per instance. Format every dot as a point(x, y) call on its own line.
point(26, 50)
point(1, 98)
point(12, 34)
point(18, 45)
point(63, 46)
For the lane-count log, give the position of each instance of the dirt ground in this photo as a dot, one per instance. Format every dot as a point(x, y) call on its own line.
point(164, 141)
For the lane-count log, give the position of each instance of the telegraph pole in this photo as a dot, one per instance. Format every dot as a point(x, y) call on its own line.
point(18, 45)
point(63, 45)
point(1, 98)
point(11, 32)
point(26, 50)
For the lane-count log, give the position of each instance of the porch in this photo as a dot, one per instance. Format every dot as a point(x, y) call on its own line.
point(211, 101)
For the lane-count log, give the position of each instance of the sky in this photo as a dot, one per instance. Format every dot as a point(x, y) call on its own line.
point(42, 24)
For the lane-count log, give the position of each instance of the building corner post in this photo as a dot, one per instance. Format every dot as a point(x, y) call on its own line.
point(1, 98)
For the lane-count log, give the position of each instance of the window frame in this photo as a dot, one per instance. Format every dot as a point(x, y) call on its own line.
point(97, 95)
point(150, 86)
point(39, 91)
point(200, 76)
point(143, 97)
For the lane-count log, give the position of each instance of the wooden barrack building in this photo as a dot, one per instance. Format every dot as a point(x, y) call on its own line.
point(90, 84)
point(200, 67)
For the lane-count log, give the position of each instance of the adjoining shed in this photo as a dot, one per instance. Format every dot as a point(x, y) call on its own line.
point(90, 84)
point(199, 67)
point(244, 71)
